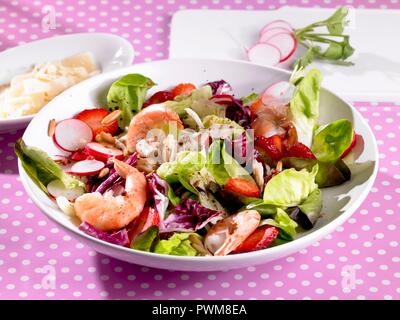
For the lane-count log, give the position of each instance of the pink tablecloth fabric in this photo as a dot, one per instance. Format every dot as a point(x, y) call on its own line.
point(360, 260)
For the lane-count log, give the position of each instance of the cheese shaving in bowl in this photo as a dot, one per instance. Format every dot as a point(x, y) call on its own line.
point(29, 92)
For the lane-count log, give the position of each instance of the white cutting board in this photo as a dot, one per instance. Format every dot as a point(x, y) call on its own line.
point(375, 34)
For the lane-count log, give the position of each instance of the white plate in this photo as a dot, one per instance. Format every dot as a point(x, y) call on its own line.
point(110, 52)
point(373, 33)
point(339, 202)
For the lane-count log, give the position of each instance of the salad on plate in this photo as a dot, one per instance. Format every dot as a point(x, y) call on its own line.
point(194, 170)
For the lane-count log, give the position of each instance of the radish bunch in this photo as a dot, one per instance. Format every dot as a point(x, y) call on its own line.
point(323, 40)
point(276, 44)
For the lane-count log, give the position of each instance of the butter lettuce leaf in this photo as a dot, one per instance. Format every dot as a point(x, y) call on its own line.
point(180, 170)
point(290, 187)
point(177, 245)
point(146, 240)
point(332, 140)
point(127, 95)
point(282, 221)
point(304, 106)
point(223, 166)
point(199, 102)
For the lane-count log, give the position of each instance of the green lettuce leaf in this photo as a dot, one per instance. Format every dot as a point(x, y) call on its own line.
point(223, 166)
point(199, 102)
point(290, 187)
point(146, 240)
point(250, 98)
point(42, 169)
point(329, 173)
point(332, 140)
point(177, 245)
point(262, 208)
point(304, 106)
point(127, 95)
point(180, 170)
point(312, 206)
point(282, 221)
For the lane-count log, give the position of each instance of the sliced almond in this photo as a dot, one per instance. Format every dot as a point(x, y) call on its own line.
point(111, 117)
point(51, 128)
point(103, 172)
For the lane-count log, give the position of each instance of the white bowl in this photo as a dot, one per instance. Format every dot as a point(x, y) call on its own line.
point(339, 202)
point(110, 52)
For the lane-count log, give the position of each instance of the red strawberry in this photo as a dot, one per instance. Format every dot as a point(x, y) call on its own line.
point(183, 89)
point(272, 146)
point(299, 150)
point(243, 187)
point(159, 97)
point(260, 239)
point(352, 145)
point(80, 155)
point(93, 118)
point(147, 218)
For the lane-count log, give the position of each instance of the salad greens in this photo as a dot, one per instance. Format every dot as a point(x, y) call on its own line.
point(223, 166)
point(290, 187)
point(146, 240)
point(304, 106)
point(332, 140)
point(178, 245)
point(42, 169)
point(312, 206)
point(127, 95)
point(186, 163)
point(282, 221)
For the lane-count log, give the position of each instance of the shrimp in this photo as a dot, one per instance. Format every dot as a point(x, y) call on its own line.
point(156, 116)
point(227, 234)
point(270, 120)
point(106, 212)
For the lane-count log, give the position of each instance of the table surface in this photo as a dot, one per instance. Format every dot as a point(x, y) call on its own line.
point(360, 260)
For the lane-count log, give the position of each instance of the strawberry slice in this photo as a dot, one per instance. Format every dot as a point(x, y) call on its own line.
point(159, 97)
point(299, 150)
point(272, 146)
point(80, 155)
point(243, 187)
point(183, 89)
point(93, 118)
point(147, 218)
point(260, 239)
point(351, 146)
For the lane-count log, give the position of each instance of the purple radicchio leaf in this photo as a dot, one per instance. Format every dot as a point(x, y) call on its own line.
point(119, 237)
point(158, 189)
point(220, 87)
point(239, 113)
point(113, 177)
point(189, 216)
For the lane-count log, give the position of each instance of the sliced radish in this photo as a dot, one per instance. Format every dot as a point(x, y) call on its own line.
point(66, 206)
point(86, 167)
point(57, 189)
point(72, 134)
point(270, 33)
point(101, 152)
point(277, 24)
point(265, 54)
point(286, 44)
point(279, 93)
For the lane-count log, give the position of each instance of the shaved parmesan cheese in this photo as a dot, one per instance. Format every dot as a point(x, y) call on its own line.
point(29, 92)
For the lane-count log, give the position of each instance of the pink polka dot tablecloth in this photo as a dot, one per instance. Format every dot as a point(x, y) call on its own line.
point(38, 260)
